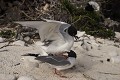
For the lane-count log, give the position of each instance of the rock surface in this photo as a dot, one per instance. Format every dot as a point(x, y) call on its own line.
point(26, 78)
point(7, 77)
point(91, 64)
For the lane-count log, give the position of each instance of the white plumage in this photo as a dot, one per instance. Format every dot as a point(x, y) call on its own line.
point(56, 37)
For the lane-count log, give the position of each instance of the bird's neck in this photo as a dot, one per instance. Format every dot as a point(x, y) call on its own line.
point(72, 60)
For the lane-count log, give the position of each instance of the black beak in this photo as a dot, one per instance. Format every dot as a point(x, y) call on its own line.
point(77, 38)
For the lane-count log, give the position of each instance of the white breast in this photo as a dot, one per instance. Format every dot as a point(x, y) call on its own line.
point(71, 60)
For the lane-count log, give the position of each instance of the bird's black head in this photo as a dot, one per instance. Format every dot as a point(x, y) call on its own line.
point(89, 7)
point(72, 31)
point(72, 54)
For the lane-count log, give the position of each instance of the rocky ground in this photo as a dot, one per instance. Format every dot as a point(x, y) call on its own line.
point(97, 59)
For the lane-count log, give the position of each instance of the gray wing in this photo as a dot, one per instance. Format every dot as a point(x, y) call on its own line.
point(54, 60)
point(47, 30)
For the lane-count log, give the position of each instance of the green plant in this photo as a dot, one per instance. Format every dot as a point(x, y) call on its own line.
point(7, 33)
point(88, 21)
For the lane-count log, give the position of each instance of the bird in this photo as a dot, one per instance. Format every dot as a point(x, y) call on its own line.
point(92, 6)
point(59, 63)
point(56, 37)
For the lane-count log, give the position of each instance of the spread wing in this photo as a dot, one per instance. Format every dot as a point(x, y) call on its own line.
point(47, 30)
point(54, 60)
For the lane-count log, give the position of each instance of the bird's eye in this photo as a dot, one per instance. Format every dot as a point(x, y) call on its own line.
point(65, 30)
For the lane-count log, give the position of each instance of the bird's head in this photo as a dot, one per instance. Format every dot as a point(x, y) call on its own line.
point(72, 54)
point(72, 31)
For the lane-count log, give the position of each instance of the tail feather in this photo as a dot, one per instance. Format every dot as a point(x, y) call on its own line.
point(30, 54)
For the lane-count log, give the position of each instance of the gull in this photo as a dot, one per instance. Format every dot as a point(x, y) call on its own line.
point(59, 63)
point(56, 37)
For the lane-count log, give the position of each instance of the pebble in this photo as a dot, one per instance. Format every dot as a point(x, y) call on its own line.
point(101, 41)
point(115, 59)
point(26, 78)
point(7, 77)
point(26, 38)
point(1, 39)
point(79, 34)
point(19, 43)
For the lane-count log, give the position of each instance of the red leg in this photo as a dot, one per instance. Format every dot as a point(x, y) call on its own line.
point(59, 74)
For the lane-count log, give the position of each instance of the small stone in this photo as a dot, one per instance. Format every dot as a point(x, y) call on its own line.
point(115, 59)
point(92, 38)
point(108, 60)
point(26, 78)
point(101, 41)
point(79, 34)
point(19, 43)
point(39, 43)
point(1, 39)
point(7, 77)
point(27, 38)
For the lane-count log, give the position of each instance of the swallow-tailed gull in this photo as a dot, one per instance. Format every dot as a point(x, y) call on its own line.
point(57, 37)
point(58, 62)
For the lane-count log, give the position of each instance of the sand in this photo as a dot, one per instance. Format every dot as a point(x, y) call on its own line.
point(91, 63)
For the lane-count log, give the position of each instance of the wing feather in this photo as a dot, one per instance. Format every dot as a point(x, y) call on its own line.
point(47, 30)
point(54, 60)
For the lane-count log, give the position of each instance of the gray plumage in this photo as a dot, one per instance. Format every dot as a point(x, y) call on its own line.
point(56, 37)
point(54, 60)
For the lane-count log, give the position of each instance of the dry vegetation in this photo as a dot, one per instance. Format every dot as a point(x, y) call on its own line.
point(70, 11)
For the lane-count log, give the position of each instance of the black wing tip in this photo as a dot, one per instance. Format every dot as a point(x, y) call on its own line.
point(31, 54)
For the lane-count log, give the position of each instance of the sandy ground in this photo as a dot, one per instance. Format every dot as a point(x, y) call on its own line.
point(91, 63)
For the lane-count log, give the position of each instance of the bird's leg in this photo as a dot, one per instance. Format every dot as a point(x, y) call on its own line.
point(59, 74)
point(56, 72)
point(74, 67)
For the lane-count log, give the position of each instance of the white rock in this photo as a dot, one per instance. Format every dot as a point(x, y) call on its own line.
point(1, 39)
point(19, 43)
point(102, 41)
point(87, 45)
point(7, 77)
point(29, 61)
point(26, 78)
point(27, 38)
point(79, 34)
point(117, 34)
point(39, 43)
point(115, 59)
point(92, 38)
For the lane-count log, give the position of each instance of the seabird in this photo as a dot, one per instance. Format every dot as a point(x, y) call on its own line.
point(59, 63)
point(57, 37)
point(92, 6)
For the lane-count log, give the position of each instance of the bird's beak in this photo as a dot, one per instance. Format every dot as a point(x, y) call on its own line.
point(76, 37)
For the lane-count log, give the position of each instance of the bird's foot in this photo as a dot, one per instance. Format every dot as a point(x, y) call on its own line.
point(59, 74)
point(74, 67)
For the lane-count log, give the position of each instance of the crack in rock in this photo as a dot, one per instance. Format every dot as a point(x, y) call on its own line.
point(88, 77)
point(108, 73)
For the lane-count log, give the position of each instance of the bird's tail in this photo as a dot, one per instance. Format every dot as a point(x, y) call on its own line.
point(30, 54)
